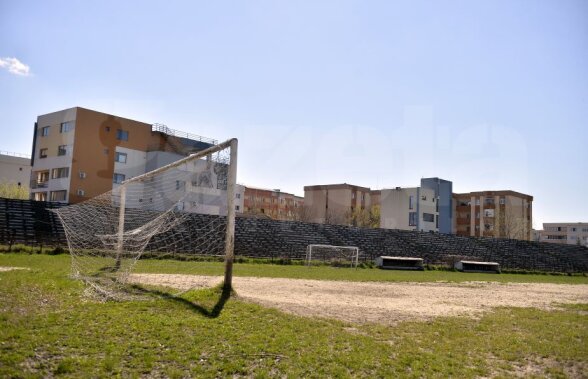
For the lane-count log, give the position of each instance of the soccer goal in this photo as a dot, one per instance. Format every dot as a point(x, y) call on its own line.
point(334, 255)
point(185, 207)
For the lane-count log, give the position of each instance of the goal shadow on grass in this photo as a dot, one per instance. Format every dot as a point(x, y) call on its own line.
point(224, 295)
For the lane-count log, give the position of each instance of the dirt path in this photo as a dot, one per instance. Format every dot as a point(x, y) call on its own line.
point(378, 301)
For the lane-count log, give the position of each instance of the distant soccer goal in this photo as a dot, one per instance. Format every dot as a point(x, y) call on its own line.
point(187, 206)
point(334, 255)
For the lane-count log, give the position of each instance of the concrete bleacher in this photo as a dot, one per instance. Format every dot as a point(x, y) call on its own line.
point(32, 223)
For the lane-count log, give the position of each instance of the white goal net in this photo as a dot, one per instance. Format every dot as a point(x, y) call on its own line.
point(344, 256)
point(185, 208)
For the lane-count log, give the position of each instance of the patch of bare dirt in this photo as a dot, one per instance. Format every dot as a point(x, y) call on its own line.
point(380, 302)
point(7, 268)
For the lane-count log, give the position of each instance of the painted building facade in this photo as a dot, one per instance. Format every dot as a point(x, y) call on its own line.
point(79, 154)
point(499, 214)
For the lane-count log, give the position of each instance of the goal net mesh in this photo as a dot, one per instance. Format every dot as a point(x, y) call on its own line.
point(179, 209)
point(343, 256)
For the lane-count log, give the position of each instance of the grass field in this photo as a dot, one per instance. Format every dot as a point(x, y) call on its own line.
point(47, 328)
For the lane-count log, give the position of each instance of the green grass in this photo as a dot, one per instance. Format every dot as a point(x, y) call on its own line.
point(47, 328)
point(300, 272)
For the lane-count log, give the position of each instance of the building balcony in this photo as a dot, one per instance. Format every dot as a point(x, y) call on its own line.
point(463, 208)
point(37, 184)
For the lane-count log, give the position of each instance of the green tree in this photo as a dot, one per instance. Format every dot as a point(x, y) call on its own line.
point(9, 190)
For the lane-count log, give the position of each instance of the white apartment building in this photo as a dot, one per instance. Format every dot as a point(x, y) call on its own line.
point(409, 209)
point(571, 233)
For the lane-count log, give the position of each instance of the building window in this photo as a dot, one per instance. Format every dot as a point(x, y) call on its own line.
point(62, 150)
point(40, 196)
point(42, 177)
point(81, 192)
point(58, 195)
point(488, 212)
point(107, 128)
point(411, 202)
point(423, 197)
point(66, 127)
point(120, 157)
point(238, 195)
point(412, 219)
point(43, 153)
point(428, 217)
point(437, 221)
point(62, 172)
point(82, 174)
point(352, 195)
point(477, 201)
point(502, 201)
point(45, 131)
point(122, 135)
point(180, 185)
point(236, 207)
point(118, 178)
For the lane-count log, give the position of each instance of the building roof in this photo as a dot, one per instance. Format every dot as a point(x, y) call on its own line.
point(495, 193)
point(335, 186)
point(277, 191)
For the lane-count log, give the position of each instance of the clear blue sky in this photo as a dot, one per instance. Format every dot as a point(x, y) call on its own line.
point(488, 94)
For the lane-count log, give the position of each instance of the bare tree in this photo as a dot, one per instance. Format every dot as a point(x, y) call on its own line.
point(512, 227)
point(335, 218)
point(303, 214)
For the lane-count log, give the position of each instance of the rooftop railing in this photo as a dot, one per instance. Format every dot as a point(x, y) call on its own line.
point(177, 133)
point(20, 155)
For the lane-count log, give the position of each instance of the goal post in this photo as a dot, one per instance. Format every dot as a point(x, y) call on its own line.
point(344, 255)
point(185, 207)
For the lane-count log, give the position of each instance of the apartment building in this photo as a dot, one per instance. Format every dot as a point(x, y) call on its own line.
point(443, 193)
point(499, 214)
point(274, 203)
point(409, 209)
point(332, 203)
point(15, 168)
point(80, 153)
point(571, 233)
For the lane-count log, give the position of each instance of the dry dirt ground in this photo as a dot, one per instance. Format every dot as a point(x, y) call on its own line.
point(3, 268)
point(380, 302)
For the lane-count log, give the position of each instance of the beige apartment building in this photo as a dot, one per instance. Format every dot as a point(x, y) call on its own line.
point(333, 203)
point(499, 214)
point(274, 204)
point(409, 209)
point(571, 233)
point(80, 153)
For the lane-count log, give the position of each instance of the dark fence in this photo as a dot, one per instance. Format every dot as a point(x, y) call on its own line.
point(32, 223)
